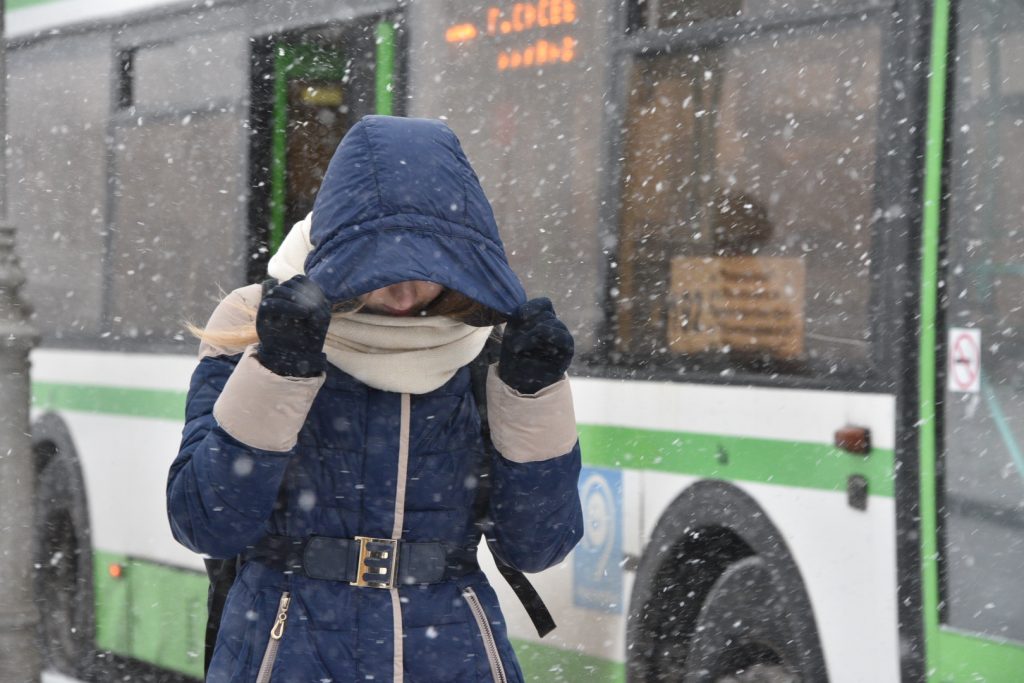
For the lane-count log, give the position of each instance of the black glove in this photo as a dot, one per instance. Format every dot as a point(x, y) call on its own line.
point(536, 349)
point(292, 325)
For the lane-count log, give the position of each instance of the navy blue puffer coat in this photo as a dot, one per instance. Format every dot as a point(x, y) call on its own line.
point(358, 458)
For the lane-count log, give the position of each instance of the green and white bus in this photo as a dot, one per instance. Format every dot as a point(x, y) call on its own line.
point(784, 232)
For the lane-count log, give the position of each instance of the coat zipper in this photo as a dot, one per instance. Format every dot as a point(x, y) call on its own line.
point(497, 669)
point(274, 642)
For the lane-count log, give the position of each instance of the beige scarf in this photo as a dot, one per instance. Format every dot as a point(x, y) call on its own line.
point(412, 355)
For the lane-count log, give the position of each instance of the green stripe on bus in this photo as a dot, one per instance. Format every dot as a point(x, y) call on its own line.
point(150, 403)
point(21, 4)
point(785, 463)
point(283, 59)
point(151, 612)
point(547, 664)
point(934, 141)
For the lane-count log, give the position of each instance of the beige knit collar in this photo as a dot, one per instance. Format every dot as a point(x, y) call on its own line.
point(414, 355)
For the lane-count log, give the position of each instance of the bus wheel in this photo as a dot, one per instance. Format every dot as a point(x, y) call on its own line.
point(62, 561)
point(742, 633)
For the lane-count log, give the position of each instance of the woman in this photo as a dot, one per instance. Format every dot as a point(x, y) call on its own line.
point(331, 427)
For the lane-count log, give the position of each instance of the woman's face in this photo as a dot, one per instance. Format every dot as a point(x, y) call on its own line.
point(402, 298)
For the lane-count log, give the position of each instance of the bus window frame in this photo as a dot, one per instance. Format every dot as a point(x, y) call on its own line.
point(261, 114)
point(952, 157)
point(896, 180)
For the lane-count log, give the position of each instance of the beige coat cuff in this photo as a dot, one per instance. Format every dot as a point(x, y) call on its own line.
point(264, 410)
point(530, 427)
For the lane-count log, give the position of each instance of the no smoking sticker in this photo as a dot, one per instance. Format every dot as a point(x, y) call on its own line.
point(964, 366)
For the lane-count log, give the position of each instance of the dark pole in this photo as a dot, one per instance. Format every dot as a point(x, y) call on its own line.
point(19, 655)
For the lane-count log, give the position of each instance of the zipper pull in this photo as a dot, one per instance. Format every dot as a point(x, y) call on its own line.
point(282, 615)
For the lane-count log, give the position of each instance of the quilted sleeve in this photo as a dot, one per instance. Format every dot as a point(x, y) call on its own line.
point(220, 491)
point(241, 427)
point(534, 505)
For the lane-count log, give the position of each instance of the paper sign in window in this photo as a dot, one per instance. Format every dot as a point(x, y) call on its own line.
point(738, 304)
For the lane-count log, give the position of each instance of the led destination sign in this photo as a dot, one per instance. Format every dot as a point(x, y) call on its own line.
point(541, 26)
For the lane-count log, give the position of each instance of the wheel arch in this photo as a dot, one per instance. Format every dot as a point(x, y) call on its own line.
point(52, 440)
point(62, 499)
point(709, 526)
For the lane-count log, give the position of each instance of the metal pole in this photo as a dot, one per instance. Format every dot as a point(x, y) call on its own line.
point(19, 654)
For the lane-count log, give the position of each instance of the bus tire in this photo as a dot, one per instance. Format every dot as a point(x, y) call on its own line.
point(62, 556)
point(742, 632)
point(710, 537)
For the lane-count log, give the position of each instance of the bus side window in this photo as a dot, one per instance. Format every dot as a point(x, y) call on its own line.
point(747, 180)
point(58, 103)
point(178, 210)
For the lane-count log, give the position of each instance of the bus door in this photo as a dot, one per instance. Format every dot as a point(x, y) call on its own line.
point(316, 85)
point(976, 622)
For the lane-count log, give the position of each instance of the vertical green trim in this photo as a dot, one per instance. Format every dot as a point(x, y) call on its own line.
point(283, 60)
point(934, 143)
point(385, 70)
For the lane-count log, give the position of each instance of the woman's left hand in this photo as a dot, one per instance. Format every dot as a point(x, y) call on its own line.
point(536, 348)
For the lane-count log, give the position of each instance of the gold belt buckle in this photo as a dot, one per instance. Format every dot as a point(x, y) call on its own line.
point(378, 559)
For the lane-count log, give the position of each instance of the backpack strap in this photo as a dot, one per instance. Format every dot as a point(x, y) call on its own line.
point(521, 586)
point(221, 574)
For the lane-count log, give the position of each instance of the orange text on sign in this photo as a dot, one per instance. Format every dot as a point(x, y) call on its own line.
point(527, 15)
point(460, 33)
point(538, 54)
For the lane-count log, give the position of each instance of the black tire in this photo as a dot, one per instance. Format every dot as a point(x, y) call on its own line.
point(712, 537)
point(62, 557)
point(743, 631)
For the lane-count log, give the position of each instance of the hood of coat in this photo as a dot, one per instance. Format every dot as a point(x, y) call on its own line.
point(400, 202)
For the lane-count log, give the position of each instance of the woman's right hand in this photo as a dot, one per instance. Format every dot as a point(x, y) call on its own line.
point(292, 322)
point(536, 348)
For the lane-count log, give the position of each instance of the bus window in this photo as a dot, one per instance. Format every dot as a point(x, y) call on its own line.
point(321, 81)
point(178, 207)
point(983, 520)
point(312, 112)
point(58, 98)
point(164, 76)
point(746, 201)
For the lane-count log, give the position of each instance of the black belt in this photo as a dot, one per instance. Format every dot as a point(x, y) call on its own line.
point(364, 561)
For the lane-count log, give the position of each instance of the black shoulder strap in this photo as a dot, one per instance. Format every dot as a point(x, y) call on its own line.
point(222, 576)
point(524, 590)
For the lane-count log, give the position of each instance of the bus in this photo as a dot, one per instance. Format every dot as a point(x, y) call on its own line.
point(783, 233)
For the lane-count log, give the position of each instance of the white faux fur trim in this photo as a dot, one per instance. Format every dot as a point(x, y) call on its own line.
point(290, 258)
